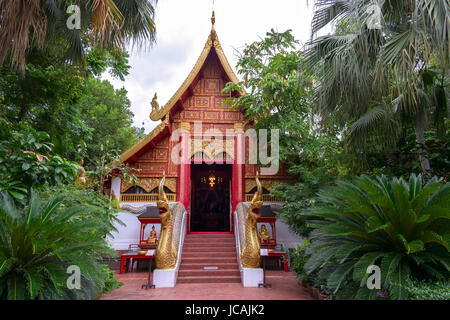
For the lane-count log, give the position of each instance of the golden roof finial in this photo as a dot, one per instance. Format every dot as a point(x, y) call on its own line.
point(213, 35)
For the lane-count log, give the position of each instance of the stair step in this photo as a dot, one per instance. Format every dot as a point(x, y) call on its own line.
point(208, 260)
point(215, 279)
point(201, 265)
point(210, 236)
point(208, 249)
point(211, 242)
point(208, 273)
point(209, 254)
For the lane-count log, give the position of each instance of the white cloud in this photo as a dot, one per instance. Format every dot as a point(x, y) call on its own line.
point(182, 30)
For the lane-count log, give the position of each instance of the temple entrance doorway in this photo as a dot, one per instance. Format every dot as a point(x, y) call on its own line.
point(210, 197)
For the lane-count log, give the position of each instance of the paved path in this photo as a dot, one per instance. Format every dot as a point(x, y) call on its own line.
point(284, 287)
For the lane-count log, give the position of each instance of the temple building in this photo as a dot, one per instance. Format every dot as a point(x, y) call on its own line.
point(210, 182)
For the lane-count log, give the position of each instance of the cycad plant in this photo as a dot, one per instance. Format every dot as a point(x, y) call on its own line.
point(402, 227)
point(40, 242)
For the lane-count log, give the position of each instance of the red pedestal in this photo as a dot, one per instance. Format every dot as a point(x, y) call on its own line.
point(126, 257)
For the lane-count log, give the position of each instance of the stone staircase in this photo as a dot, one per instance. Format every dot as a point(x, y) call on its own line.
point(209, 258)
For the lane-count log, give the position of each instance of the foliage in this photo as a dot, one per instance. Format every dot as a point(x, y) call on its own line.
point(43, 100)
point(280, 97)
point(25, 161)
point(425, 290)
point(40, 242)
point(403, 227)
point(292, 211)
point(319, 163)
point(108, 24)
point(376, 79)
point(78, 113)
point(106, 111)
point(111, 282)
point(95, 207)
point(116, 61)
point(278, 92)
point(298, 259)
point(400, 160)
point(14, 188)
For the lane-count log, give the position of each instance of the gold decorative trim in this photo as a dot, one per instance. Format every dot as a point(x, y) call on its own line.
point(171, 183)
point(265, 198)
point(218, 146)
point(267, 184)
point(145, 197)
point(125, 185)
point(238, 127)
point(185, 125)
point(148, 184)
point(143, 142)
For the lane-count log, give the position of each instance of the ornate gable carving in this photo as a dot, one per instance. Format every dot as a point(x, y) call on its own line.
point(148, 184)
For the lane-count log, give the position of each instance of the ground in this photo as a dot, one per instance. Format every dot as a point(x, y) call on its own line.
point(284, 287)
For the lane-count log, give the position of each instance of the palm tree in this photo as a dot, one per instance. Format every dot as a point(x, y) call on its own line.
point(374, 76)
point(40, 23)
point(401, 226)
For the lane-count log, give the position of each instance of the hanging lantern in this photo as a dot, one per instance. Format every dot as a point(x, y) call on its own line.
point(212, 180)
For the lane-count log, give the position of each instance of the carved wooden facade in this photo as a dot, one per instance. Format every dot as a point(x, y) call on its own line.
point(199, 99)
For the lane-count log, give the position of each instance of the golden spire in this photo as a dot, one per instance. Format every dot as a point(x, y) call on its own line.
point(213, 35)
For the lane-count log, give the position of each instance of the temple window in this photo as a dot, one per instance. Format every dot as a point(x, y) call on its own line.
point(136, 190)
point(264, 190)
point(199, 155)
point(223, 155)
point(166, 190)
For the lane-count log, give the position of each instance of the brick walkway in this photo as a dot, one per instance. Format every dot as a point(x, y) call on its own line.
point(284, 287)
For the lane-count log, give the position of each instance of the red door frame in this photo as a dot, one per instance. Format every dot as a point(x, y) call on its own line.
point(188, 186)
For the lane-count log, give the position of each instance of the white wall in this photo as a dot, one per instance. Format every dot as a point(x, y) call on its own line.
point(127, 234)
point(287, 237)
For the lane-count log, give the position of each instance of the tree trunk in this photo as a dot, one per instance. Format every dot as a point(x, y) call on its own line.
point(100, 187)
point(419, 127)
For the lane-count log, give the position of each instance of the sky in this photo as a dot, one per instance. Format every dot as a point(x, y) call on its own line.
point(182, 30)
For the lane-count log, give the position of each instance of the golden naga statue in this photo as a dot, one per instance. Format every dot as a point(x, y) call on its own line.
point(152, 236)
point(166, 254)
point(155, 104)
point(251, 255)
point(157, 113)
point(263, 233)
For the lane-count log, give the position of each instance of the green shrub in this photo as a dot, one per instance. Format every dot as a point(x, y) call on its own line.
point(110, 282)
point(25, 159)
point(403, 227)
point(39, 243)
point(292, 214)
point(423, 290)
point(95, 207)
point(298, 260)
